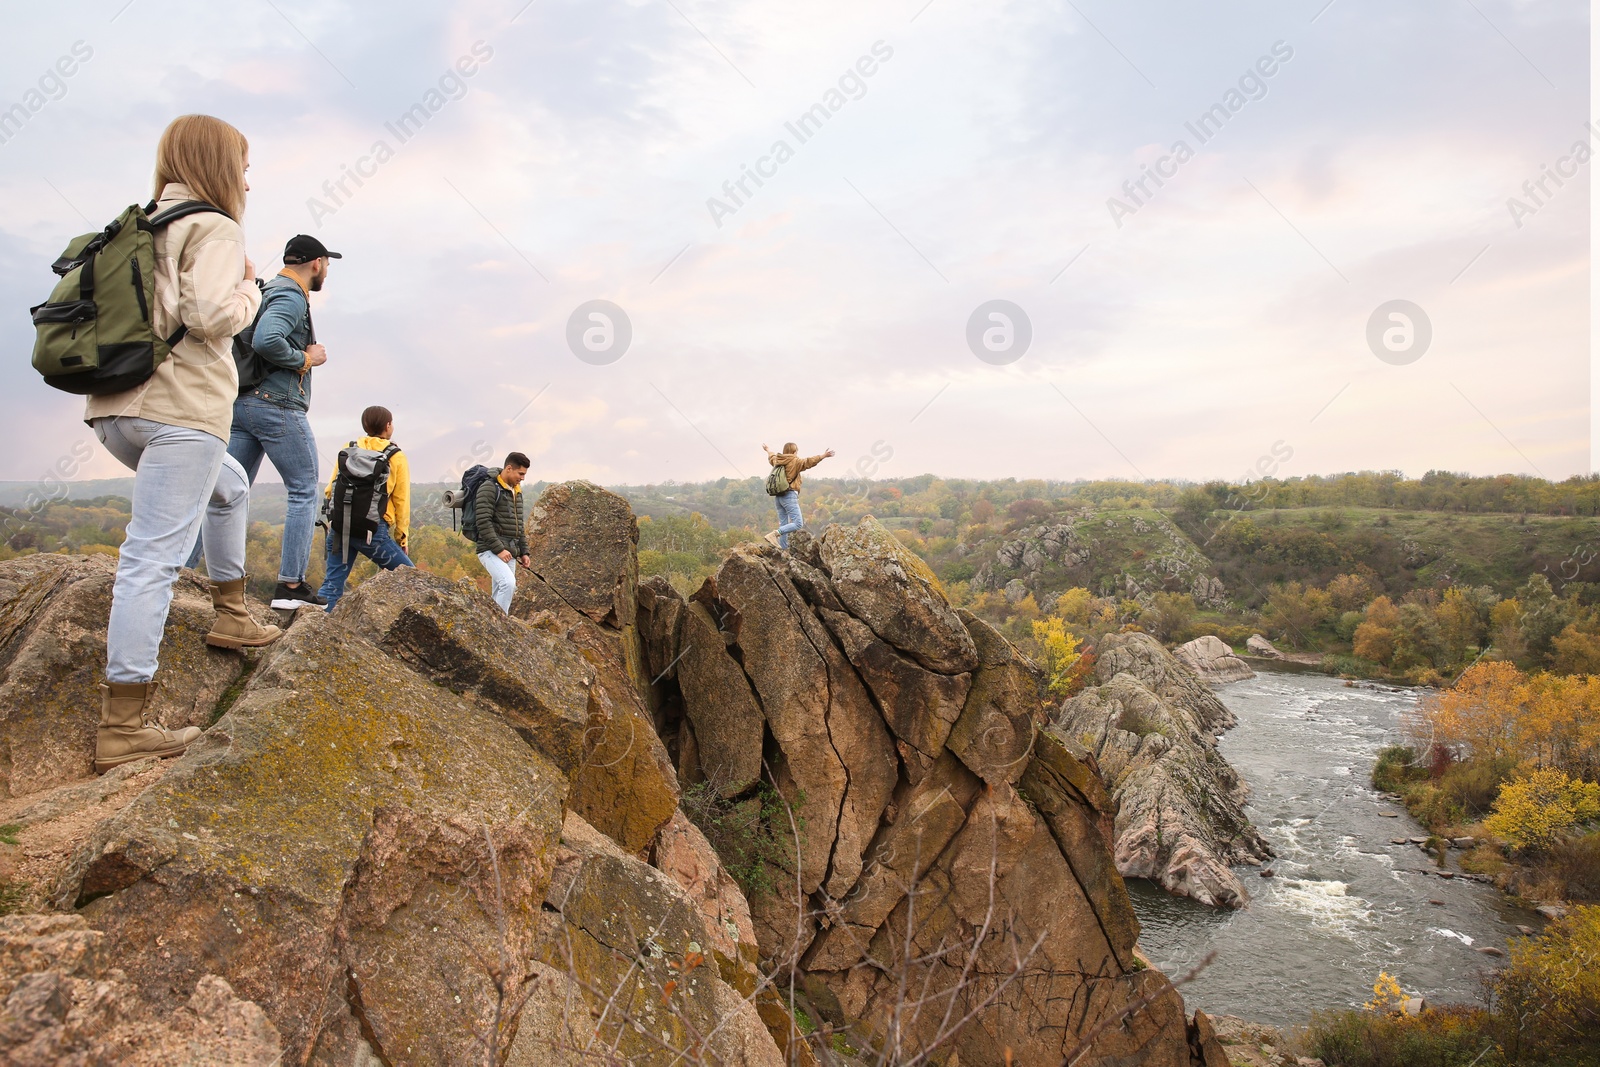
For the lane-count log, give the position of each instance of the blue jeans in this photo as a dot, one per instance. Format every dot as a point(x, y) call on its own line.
point(788, 515)
point(384, 550)
point(184, 484)
point(283, 435)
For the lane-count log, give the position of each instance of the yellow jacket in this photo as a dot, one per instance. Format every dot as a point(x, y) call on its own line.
point(398, 512)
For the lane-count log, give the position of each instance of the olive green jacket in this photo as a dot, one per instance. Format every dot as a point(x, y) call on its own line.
point(497, 514)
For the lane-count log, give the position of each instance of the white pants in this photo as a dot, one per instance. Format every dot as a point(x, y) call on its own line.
point(184, 483)
point(504, 577)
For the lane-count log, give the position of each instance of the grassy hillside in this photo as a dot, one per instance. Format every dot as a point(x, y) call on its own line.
point(1306, 561)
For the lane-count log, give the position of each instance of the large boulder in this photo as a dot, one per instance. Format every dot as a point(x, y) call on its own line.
point(939, 838)
point(626, 787)
point(458, 638)
point(583, 542)
point(888, 587)
point(583, 590)
point(1151, 724)
point(838, 764)
point(357, 850)
point(994, 735)
point(1212, 660)
point(719, 704)
point(1140, 655)
point(53, 612)
point(1260, 646)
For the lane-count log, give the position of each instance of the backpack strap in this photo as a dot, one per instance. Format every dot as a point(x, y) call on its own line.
point(178, 211)
point(162, 218)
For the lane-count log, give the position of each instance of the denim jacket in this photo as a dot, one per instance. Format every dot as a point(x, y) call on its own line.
point(282, 331)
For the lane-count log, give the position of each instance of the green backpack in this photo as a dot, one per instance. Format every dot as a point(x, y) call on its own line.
point(95, 333)
point(778, 480)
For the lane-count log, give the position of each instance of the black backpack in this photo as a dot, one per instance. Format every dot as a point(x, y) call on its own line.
point(465, 499)
point(252, 368)
point(360, 496)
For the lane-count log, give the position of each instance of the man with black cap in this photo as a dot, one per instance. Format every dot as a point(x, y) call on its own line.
point(269, 418)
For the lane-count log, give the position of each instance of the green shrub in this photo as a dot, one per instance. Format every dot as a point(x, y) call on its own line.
point(1575, 865)
point(1396, 768)
point(1472, 787)
point(1354, 666)
point(751, 835)
point(1452, 1036)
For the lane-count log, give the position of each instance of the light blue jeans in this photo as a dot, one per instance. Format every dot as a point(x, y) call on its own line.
point(503, 575)
point(283, 435)
point(184, 482)
point(788, 515)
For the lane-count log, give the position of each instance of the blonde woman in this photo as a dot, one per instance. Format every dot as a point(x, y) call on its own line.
point(172, 431)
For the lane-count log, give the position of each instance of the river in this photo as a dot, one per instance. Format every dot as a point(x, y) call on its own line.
point(1345, 902)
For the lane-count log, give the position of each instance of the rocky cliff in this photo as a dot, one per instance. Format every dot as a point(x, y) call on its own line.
point(419, 831)
point(1152, 724)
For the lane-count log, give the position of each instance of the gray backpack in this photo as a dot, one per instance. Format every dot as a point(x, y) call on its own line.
point(360, 496)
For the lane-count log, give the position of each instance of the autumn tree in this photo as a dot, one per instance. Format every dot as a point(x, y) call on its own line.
point(1294, 612)
point(1374, 639)
point(1169, 615)
point(1349, 592)
point(1480, 715)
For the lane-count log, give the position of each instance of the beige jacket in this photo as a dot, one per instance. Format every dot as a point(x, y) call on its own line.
point(199, 282)
point(793, 464)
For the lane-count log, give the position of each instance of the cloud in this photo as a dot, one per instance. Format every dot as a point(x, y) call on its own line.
point(1223, 316)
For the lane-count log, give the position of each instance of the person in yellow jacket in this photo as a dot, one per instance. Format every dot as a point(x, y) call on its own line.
point(388, 545)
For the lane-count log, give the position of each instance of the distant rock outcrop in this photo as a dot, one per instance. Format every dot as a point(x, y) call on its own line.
point(1151, 724)
point(1211, 659)
point(1260, 646)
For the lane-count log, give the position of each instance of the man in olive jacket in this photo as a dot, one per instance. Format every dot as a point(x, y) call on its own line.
point(502, 539)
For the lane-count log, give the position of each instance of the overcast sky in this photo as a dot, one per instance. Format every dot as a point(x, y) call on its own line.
point(1187, 331)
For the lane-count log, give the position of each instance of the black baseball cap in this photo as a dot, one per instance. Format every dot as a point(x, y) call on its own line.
point(303, 248)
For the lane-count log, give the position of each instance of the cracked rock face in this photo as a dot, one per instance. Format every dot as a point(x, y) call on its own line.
point(941, 830)
point(1151, 724)
point(628, 964)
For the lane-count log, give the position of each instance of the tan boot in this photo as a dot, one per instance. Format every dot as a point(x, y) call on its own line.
point(233, 626)
point(126, 732)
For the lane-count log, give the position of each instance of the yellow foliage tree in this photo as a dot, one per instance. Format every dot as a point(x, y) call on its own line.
point(1483, 713)
point(1382, 612)
point(1552, 986)
point(1576, 651)
point(1459, 628)
point(1537, 811)
point(1074, 605)
point(1387, 996)
point(1349, 592)
point(1059, 650)
point(1374, 642)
